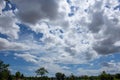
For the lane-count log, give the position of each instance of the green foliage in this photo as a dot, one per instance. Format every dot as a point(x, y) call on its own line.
point(41, 71)
point(17, 75)
point(4, 72)
point(22, 76)
point(60, 76)
point(72, 77)
point(105, 76)
point(3, 66)
point(117, 76)
point(6, 75)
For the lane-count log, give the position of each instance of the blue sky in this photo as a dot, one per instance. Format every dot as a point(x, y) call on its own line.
point(69, 36)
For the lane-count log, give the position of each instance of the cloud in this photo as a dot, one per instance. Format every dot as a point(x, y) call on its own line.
point(8, 22)
point(105, 28)
point(89, 72)
point(8, 25)
point(1, 6)
point(7, 45)
point(108, 64)
point(28, 57)
point(110, 67)
point(42, 9)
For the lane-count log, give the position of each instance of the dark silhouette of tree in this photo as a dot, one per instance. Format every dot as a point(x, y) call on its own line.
point(10, 77)
point(4, 72)
point(72, 77)
point(22, 76)
point(3, 66)
point(104, 76)
point(117, 76)
point(60, 76)
point(41, 71)
point(17, 75)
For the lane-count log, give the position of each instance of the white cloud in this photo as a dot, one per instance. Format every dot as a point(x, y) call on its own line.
point(8, 25)
point(1, 6)
point(28, 57)
point(7, 45)
point(89, 72)
point(111, 67)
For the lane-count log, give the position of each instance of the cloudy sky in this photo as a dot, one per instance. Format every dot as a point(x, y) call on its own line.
point(70, 36)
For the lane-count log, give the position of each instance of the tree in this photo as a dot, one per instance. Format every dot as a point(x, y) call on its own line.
point(60, 76)
point(4, 72)
point(22, 76)
point(104, 76)
point(41, 71)
point(72, 77)
point(117, 76)
point(3, 66)
point(17, 75)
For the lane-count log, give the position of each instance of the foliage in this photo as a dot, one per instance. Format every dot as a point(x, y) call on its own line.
point(3, 66)
point(6, 75)
point(4, 72)
point(41, 71)
point(17, 74)
point(60, 76)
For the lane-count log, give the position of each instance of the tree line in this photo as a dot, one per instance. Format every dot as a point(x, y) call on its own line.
point(5, 74)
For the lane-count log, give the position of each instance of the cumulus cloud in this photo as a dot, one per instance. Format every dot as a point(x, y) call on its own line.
point(83, 37)
point(7, 45)
point(8, 25)
point(28, 57)
point(110, 67)
point(104, 27)
point(1, 6)
point(36, 10)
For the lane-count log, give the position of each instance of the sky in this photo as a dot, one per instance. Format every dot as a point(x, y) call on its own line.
point(81, 37)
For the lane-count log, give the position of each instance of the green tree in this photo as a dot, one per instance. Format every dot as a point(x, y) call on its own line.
point(17, 75)
point(4, 72)
point(3, 66)
point(104, 76)
point(22, 76)
point(60, 76)
point(117, 76)
point(72, 77)
point(41, 71)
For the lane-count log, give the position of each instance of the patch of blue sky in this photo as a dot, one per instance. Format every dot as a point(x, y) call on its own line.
point(107, 6)
point(9, 6)
point(26, 32)
point(117, 7)
point(68, 1)
point(3, 36)
point(73, 10)
point(10, 59)
point(71, 14)
point(97, 62)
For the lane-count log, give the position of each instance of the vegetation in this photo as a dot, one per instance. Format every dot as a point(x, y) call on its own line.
point(6, 75)
point(60, 76)
point(41, 71)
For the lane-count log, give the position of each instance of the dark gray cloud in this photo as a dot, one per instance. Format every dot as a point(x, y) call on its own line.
point(31, 11)
point(71, 51)
point(105, 29)
point(97, 22)
point(106, 47)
